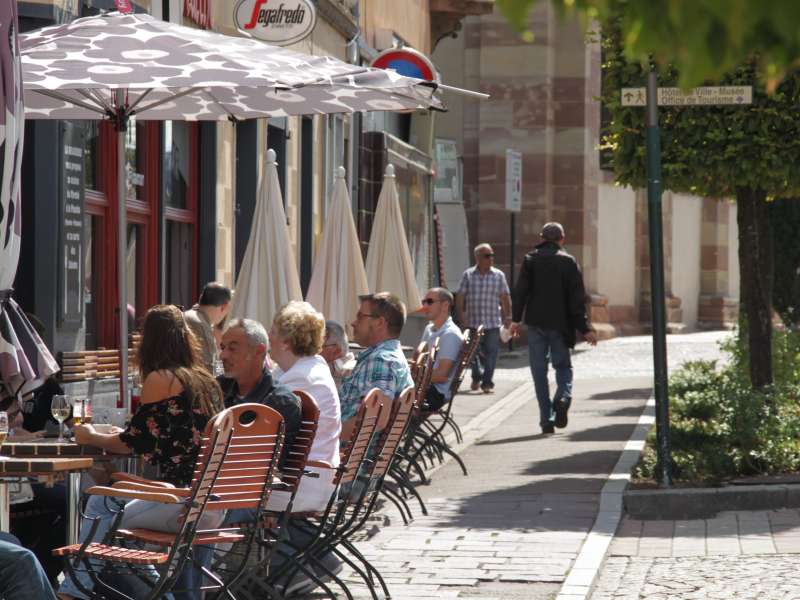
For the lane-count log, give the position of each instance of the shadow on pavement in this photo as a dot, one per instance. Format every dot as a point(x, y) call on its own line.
point(625, 411)
point(606, 433)
point(512, 440)
point(629, 394)
point(557, 504)
point(591, 462)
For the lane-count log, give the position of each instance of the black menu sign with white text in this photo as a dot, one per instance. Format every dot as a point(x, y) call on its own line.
point(72, 196)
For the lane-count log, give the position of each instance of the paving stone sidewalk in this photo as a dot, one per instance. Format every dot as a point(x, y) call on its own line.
point(515, 525)
point(738, 554)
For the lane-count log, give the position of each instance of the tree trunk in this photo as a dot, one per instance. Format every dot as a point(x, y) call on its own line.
point(756, 271)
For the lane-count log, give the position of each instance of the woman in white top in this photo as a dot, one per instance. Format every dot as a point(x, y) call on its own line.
point(295, 340)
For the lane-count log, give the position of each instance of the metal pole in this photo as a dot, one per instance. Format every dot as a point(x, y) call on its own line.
point(654, 186)
point(122, 247)
point(513, 261)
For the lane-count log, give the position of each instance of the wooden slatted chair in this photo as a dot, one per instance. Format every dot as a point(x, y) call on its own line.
point(356, 504)
point(344, 505)
point(426, 440)
point(270, 525)
point(245, 479)
point(94, 556)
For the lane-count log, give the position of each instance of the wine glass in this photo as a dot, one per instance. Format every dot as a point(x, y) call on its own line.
point(3, 427)
point(60, 408)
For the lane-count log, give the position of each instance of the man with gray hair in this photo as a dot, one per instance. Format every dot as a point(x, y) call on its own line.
point(243, 353)
point(551, 295)
point(484, 299)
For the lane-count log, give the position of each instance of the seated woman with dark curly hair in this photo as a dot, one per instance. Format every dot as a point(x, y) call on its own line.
point(178, 398)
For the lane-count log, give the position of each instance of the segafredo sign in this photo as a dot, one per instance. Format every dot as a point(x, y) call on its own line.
point(279, 22)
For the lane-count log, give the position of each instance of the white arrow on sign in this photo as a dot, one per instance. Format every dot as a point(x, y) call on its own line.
point(699, 96)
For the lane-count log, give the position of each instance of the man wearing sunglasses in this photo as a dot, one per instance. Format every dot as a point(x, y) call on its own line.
point(551, 295)
point(381, 364)
point(436, 307)
point(483, 298)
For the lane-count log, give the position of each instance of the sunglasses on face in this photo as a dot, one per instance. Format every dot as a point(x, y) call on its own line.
point(430, 301)
point(490, 255)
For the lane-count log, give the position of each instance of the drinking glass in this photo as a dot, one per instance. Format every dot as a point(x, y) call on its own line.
point(3, 427)
point(60, 408)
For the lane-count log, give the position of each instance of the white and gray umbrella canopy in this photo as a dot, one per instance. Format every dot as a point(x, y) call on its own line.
point(339, 277)
point(268, 277)
point(24, 359)
point(173, 72)
point(115, 66)
point(389, 266)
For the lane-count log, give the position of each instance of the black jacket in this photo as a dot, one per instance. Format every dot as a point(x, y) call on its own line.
point(270, 394)
point(550, 292)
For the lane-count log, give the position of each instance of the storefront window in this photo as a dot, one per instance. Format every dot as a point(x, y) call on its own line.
point(135, 159)
point(90, 154)
point(178, 263)
point(413, 189)
point(133, 264)
point(89, 296)
point(176, 163)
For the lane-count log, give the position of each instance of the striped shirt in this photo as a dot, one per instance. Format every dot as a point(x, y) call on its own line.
point(383, 366)
point(482, 297)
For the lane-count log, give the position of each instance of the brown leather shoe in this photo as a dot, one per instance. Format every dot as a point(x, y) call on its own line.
point(476, 385)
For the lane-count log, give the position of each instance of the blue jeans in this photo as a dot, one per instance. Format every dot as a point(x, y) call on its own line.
point(486, 357)
point(21, 575)
point(544, 345)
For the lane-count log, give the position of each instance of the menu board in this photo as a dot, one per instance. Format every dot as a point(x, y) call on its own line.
point(71, 248)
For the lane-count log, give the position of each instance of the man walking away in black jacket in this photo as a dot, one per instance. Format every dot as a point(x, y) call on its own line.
point(551, 296)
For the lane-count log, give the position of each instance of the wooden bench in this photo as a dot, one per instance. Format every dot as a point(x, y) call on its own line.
point(81, 365)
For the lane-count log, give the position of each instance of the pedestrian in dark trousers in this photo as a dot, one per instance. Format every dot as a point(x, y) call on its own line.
point(551, 296)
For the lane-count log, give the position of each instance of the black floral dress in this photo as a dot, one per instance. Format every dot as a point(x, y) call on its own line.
point(167, 434)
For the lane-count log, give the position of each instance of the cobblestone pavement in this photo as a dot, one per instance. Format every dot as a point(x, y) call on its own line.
point(741, 554)
point(513, 527)
point(757, 577)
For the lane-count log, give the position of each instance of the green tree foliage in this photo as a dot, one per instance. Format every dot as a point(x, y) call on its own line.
point(784, 217)
point(745, 152)
point(703, 39)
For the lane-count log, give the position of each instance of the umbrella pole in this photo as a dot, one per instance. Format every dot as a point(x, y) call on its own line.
point(122, 246)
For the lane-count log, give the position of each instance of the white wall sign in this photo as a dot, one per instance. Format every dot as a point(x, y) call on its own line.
point(513, 180)
point(280, 22)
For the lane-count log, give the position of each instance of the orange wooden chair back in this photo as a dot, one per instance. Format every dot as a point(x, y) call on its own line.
point(297, 455)
point(356, 448)
point(390, 439)
point(247, 472)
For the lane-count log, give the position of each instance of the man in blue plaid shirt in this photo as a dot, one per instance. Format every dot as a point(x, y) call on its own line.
point(484, 299)
point(382, 364)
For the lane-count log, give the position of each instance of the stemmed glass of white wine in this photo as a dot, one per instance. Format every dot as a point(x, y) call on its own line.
point(60, 408)
point(3, 427)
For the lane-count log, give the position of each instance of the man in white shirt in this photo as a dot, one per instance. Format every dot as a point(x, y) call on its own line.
point(436, 307)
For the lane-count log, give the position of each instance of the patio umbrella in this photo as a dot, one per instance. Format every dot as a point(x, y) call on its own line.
point(339, 277)
point(24, 359)
point(268, 277)
point(389, 266)
point(115, 66)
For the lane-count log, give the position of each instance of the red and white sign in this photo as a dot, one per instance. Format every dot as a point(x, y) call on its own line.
point(279, 22)
point(408, 62)
point(198, 11)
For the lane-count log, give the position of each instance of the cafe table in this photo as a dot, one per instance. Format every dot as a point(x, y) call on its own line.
point(47, 468)
point(53, 450)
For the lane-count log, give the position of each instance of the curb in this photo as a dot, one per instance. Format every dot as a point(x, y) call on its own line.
point(581, 577)
point(704, 503)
